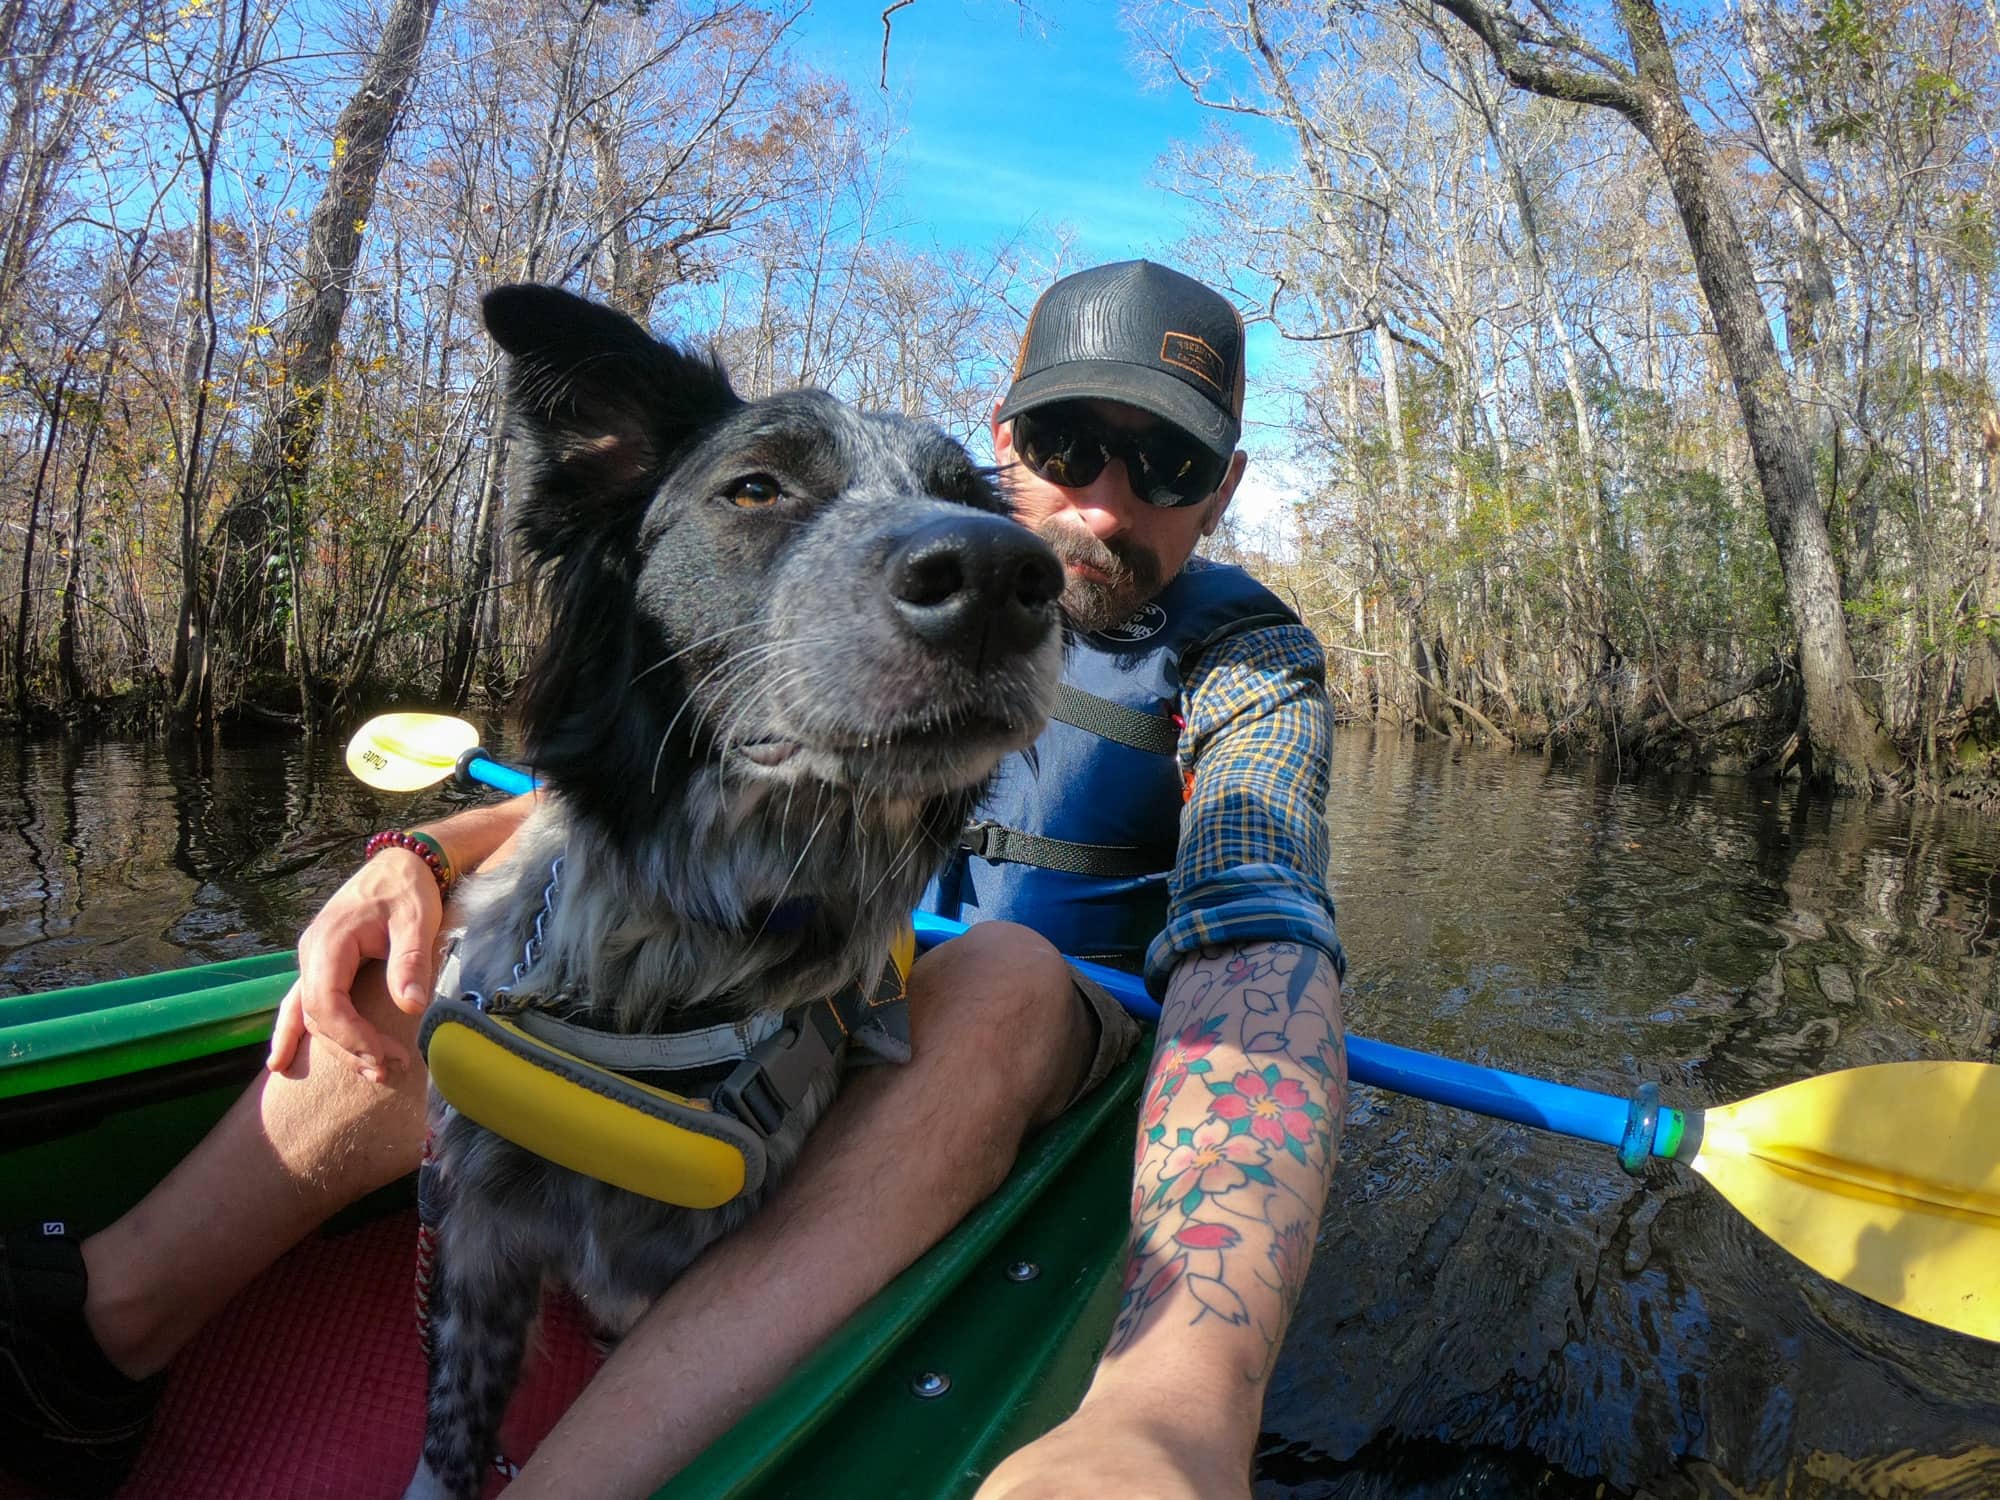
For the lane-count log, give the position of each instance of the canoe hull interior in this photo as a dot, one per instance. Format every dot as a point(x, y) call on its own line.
point(94, 1114)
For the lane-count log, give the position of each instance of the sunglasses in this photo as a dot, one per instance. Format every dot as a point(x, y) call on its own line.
point(1068, 446)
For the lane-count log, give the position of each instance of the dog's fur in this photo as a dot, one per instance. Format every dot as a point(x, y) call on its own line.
point(758, 685)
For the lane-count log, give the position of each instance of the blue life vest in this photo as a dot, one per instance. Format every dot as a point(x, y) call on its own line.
point(1076, 838)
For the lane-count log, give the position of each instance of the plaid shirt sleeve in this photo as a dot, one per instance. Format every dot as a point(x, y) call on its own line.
point(1254, 848)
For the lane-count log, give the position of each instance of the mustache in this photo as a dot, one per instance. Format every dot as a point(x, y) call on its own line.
point(1126, 564)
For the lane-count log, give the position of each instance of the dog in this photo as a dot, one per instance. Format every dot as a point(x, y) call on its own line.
point(788, 645)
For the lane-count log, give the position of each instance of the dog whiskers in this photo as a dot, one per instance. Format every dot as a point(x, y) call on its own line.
point(785, 889)
point(673, 656)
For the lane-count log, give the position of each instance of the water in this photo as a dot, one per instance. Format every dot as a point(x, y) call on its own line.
point(1492, 1311)
point(123, 857)
point(1496, 1312)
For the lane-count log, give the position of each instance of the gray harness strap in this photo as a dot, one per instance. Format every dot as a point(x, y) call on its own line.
point(669, 1052)
point(996, 841)
point(780, 1057)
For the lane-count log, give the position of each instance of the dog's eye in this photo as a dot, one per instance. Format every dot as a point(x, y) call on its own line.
point(754, 492)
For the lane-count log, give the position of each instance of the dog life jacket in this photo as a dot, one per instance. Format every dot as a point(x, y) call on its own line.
point(627, 1109)
point(1077, 839)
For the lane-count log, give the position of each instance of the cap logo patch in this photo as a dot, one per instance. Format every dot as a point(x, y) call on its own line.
point(1186, 351)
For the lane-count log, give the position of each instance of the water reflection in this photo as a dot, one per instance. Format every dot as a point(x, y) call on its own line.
point(123, 857)
point(1495, 1312)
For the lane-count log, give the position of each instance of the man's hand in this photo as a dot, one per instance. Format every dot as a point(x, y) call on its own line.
point(389, 909)
point(1105, 1451)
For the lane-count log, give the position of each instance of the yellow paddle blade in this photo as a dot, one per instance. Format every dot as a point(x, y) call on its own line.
point(408, 752)
point(1885, 1179)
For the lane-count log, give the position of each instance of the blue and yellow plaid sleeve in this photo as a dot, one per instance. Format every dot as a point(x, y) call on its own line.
point(1254, 848)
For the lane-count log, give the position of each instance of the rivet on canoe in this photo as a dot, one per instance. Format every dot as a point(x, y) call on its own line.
point(1023, 1270)
point(930, 1385)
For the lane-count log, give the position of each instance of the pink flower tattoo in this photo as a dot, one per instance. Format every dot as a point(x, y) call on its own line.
point(1217, 1157)
point(1278, 1109)
point(1180, 1054)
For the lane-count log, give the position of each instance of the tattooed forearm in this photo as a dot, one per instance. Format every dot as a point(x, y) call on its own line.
point(1238, 1137)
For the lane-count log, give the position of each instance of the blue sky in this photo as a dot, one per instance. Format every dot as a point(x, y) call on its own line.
point(1007, 121)
point(1013, 128)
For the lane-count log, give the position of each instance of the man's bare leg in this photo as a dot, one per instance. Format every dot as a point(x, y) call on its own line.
point(304, 1142)
point(295, 1149)
point(1001, 1044)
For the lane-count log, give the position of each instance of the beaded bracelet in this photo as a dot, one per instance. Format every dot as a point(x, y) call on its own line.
point(426, 848)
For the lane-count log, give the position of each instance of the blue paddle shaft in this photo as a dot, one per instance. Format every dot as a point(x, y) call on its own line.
point(1638, 1127)
point(1579, 1113)
point(474, 765)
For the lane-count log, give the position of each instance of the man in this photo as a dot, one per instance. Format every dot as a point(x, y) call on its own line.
point(1117, 442)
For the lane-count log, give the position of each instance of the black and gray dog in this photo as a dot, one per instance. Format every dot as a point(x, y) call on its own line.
point(788, 644)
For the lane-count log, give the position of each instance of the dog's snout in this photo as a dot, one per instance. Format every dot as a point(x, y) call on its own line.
point(976, 583)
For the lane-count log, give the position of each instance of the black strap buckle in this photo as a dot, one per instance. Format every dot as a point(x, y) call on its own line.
point(983, 839)
point(768, 1086)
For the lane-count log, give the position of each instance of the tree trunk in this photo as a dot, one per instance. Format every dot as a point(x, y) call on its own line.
point(455, 679)
point(69, 674)
point(1847, 745)
point(23, 614)
point(282, 457)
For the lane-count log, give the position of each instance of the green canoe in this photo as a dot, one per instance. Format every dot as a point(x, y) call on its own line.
point(983, 1343)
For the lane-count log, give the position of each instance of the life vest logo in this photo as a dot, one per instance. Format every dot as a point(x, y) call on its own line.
point(1147, 621)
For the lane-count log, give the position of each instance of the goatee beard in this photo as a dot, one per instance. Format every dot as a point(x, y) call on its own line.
point(1132, 576)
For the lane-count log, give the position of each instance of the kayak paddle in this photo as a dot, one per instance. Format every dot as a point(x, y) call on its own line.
point(408, 752)
point(1885, 1178)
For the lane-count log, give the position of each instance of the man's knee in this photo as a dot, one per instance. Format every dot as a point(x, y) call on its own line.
point(330, 1080)
point(995, 974)
point(998, 1007)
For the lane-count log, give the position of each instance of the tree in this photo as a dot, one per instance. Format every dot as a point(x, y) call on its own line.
point(1846, 744)
point(281, 459)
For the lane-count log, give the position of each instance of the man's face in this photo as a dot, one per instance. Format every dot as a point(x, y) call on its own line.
point(1117, 551)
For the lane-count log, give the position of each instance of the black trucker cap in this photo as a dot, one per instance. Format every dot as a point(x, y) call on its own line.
point(1142, 334)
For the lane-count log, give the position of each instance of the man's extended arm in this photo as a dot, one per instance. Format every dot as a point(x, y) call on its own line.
point(1240, 1122)
point(1239, 1131)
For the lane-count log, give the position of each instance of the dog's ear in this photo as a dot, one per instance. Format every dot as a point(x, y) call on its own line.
point(601, 406)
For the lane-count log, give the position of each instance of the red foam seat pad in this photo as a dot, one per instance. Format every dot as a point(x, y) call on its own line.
point(310, 1385)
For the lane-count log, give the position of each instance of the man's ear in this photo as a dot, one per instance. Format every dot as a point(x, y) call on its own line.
point(599, 407)
point(1225, 491)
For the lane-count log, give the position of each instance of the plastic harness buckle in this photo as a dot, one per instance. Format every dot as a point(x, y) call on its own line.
point(769, 1085)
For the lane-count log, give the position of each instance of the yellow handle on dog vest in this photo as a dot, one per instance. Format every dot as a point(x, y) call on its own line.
point(569, 1112)
point(602, 1123)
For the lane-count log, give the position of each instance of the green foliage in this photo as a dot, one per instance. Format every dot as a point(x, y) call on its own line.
point(1967, 238)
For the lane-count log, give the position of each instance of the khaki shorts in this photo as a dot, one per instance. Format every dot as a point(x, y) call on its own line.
point(1116, 1031)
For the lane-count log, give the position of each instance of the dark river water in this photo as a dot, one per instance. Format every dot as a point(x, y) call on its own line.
point(1492, 1311)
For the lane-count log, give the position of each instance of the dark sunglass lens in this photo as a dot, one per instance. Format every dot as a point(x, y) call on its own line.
point(1176, 469)
point(1058, 448)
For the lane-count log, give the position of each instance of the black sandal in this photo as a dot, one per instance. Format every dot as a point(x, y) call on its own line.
point(70, 1421)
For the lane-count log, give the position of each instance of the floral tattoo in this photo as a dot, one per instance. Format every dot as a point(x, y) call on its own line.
point(1238, 1136)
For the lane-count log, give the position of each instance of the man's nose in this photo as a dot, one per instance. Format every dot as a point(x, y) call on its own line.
point(1106, 505)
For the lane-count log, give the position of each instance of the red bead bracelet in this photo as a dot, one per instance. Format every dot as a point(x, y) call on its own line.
point(426, 848)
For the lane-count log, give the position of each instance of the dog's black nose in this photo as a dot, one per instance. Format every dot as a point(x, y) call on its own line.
point(976, 584)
